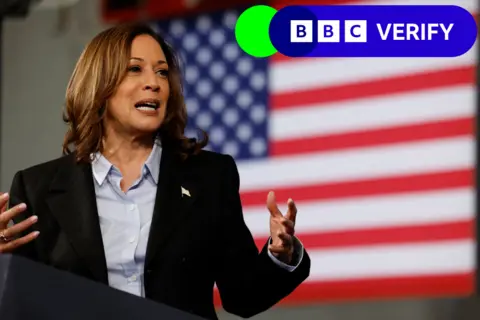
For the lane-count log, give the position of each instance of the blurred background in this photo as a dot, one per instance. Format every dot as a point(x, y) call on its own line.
point(379, 154)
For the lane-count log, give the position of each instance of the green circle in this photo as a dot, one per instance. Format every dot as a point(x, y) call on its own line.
point(251, 31)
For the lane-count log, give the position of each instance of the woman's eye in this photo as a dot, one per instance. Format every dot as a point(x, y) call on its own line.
point(134, 69)
point(163, 72)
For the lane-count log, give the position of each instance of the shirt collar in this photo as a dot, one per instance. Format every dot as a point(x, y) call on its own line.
point(101, 167)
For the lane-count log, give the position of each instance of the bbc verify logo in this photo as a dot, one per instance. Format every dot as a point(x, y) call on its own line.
point(328, 31)
point(358, 31)
point(302, 31)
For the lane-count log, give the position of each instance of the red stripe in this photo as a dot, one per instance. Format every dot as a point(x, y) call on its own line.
point(389, 235)
point(389, 185)
point(377, 87)
point(460, 284)
point(374, 137)
point(279, 58)
point(278, 4)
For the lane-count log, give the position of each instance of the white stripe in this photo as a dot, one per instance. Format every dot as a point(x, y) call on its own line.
point(398, 109)
point(390, 261)
point(318, 73)
point(371, 212)
point(353, 164)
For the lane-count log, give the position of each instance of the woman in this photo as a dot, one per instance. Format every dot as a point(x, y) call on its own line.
point(136, 205)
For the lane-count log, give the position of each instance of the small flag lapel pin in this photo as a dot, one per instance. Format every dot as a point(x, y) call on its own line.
point(185, 192)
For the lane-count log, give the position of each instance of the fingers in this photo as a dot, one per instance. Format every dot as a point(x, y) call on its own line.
point(12, 245)
point(287, 240)
point(275, 211)
point(3, 202)
point(272, 205)
point(285, 246)
point(276, 249)
point(20, 227)
point(292, 211)
point(8, 215)
point(282, 228)
point(288, 226)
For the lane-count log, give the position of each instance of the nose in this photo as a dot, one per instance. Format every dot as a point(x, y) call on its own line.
point(151, 82)
point(152, 87)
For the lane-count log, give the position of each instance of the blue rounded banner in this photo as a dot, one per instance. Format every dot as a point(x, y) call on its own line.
point(373, 31)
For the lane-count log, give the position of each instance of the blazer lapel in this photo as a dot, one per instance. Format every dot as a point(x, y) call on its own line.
point(72, 201)
point(176, 195)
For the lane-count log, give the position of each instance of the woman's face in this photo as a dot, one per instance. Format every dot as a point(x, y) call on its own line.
point(139, 103)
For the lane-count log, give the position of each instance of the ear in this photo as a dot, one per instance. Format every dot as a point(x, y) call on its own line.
point(102, 109)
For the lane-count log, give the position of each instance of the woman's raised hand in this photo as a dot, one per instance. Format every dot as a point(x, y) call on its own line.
point(9, 236)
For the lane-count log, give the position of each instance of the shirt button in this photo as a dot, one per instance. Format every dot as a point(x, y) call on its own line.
point(132, 207)
point(133, 278)
point(132, 240)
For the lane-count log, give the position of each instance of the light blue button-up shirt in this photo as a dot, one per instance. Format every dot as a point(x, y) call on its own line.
point(125, 219)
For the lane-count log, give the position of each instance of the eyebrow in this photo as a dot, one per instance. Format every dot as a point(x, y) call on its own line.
point(140, 59)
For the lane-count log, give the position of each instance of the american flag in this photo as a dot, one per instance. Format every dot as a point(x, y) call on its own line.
point(377, 153)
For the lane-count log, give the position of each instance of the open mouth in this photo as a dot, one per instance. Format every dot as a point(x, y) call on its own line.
point(148, 105)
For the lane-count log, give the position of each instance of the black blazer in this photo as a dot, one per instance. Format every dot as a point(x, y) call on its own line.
point(194, 241)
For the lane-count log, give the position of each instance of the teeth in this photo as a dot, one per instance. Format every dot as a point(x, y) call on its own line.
point(145, 108)
point(147, 105)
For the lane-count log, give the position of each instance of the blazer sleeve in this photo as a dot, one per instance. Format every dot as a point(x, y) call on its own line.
point(249, 282)
point(17, 196)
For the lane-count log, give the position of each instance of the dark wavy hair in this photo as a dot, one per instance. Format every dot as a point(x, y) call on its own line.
point(100, 69)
